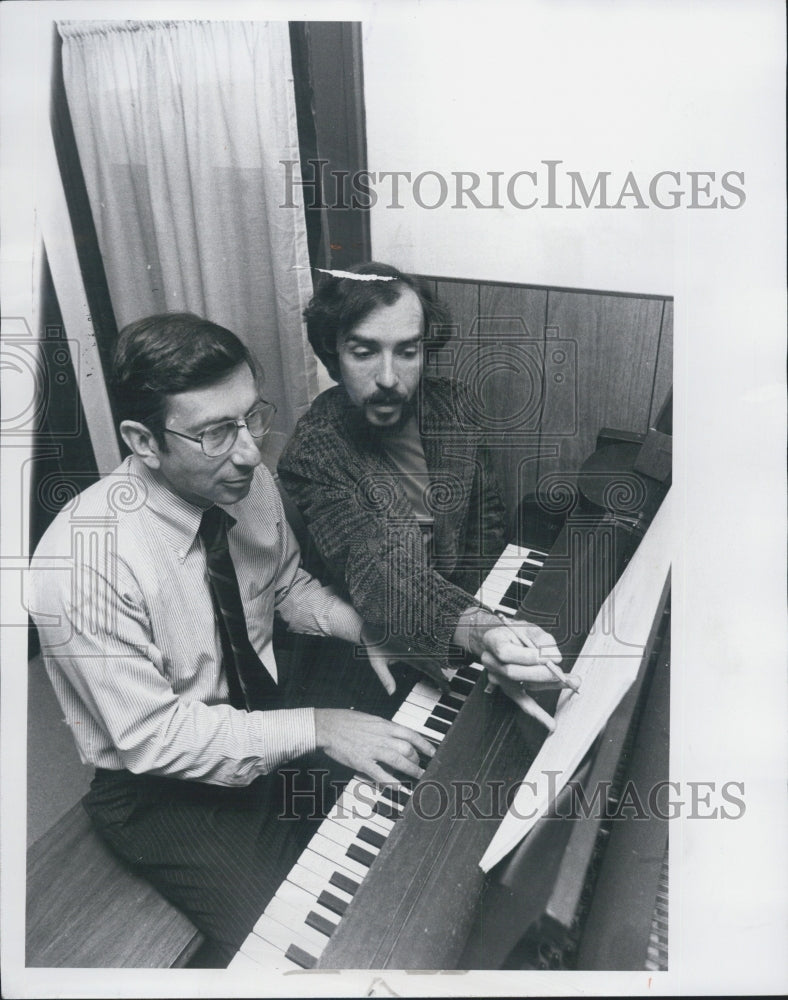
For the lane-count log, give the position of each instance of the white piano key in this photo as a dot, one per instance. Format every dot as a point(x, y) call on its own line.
point(410, 710)
point(308, 921)
point(396, 793)
point(411, 715)
point(335, 852)
point(292, 919)
point(430, 734)
point(416, 722)
point(354, 825)
point(273, 959)
point(424, 689)
point(390, 799)
point(344, 834)
point(506, 570)
point(277, 934)
point(304, 902)
point(357, 802)
point(492, 592)
point(365, 811)
point(314, 883)
point(266, 953)
point(415, 725)
point(420, 701)
point(322, 865)
point(367, 792)
point(426, 732)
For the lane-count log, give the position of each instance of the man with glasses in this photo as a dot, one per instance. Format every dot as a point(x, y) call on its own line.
point(154, 593)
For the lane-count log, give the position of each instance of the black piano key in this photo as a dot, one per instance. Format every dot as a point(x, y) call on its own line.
point(460, 686)
point(319, 923)
point(370, 836)
point(359, 854)
point(300, 957)
point(344, 882)
point(332, 902)
point(386, 809)
point(399, 795)
point(438, 725)
point(444, 713)
point(517, 591)
point(449, 701)
point(468, 673)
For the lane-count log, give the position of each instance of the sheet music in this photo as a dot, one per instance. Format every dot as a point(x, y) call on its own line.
point(606, 668)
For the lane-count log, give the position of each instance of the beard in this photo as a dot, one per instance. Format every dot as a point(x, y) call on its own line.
point(384, 397)
point(361, 426)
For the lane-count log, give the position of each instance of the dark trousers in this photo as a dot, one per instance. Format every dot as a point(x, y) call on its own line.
point(219, 854)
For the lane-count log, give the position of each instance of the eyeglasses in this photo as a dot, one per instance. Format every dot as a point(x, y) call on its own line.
point(219, 438)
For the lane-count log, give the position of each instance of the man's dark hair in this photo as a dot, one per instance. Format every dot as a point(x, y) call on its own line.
point(165, 354)
point(339, 304)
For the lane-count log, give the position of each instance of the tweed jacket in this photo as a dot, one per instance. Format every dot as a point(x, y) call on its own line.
point(364, 528)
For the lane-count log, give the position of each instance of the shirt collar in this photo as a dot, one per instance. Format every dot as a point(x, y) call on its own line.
point(178, 519)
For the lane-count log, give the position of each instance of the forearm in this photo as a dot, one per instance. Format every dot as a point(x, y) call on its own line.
point(130, 718)
point(409, 606)
point(376, 554)
point(219, 744)
point(473, 623)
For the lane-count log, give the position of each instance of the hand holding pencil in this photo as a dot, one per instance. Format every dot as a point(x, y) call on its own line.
point(518, 656)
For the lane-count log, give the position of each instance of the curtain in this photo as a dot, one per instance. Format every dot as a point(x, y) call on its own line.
point(180, 128)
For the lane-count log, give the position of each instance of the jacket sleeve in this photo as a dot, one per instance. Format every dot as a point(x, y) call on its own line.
point(366, 534)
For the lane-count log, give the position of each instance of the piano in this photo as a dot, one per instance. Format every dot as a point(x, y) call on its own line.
point(391, 878)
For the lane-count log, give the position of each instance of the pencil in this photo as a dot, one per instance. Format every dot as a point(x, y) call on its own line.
point(566, 679)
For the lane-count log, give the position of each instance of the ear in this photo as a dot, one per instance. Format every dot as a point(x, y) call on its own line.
point(141, 441)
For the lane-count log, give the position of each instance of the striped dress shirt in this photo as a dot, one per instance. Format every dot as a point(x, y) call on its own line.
point(118, 588)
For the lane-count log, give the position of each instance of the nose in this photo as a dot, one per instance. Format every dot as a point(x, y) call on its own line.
point(245, 450)
point(386, 376)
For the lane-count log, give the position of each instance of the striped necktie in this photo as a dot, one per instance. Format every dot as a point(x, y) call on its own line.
point(250, 684)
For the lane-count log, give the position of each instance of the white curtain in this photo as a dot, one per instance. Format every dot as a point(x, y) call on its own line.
point(180, 127)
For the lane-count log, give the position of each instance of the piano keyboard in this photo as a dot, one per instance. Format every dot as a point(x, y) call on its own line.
point(657, 949)
point(308, 906)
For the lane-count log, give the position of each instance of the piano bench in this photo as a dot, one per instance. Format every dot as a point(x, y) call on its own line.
point(85, 909)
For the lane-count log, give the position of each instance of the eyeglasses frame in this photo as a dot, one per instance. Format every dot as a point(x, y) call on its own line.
point(239, 423)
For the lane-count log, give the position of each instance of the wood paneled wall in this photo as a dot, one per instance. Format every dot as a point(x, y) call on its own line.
point(550, 367)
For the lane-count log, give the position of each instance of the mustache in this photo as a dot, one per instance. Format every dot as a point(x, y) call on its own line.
point(385, 397)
